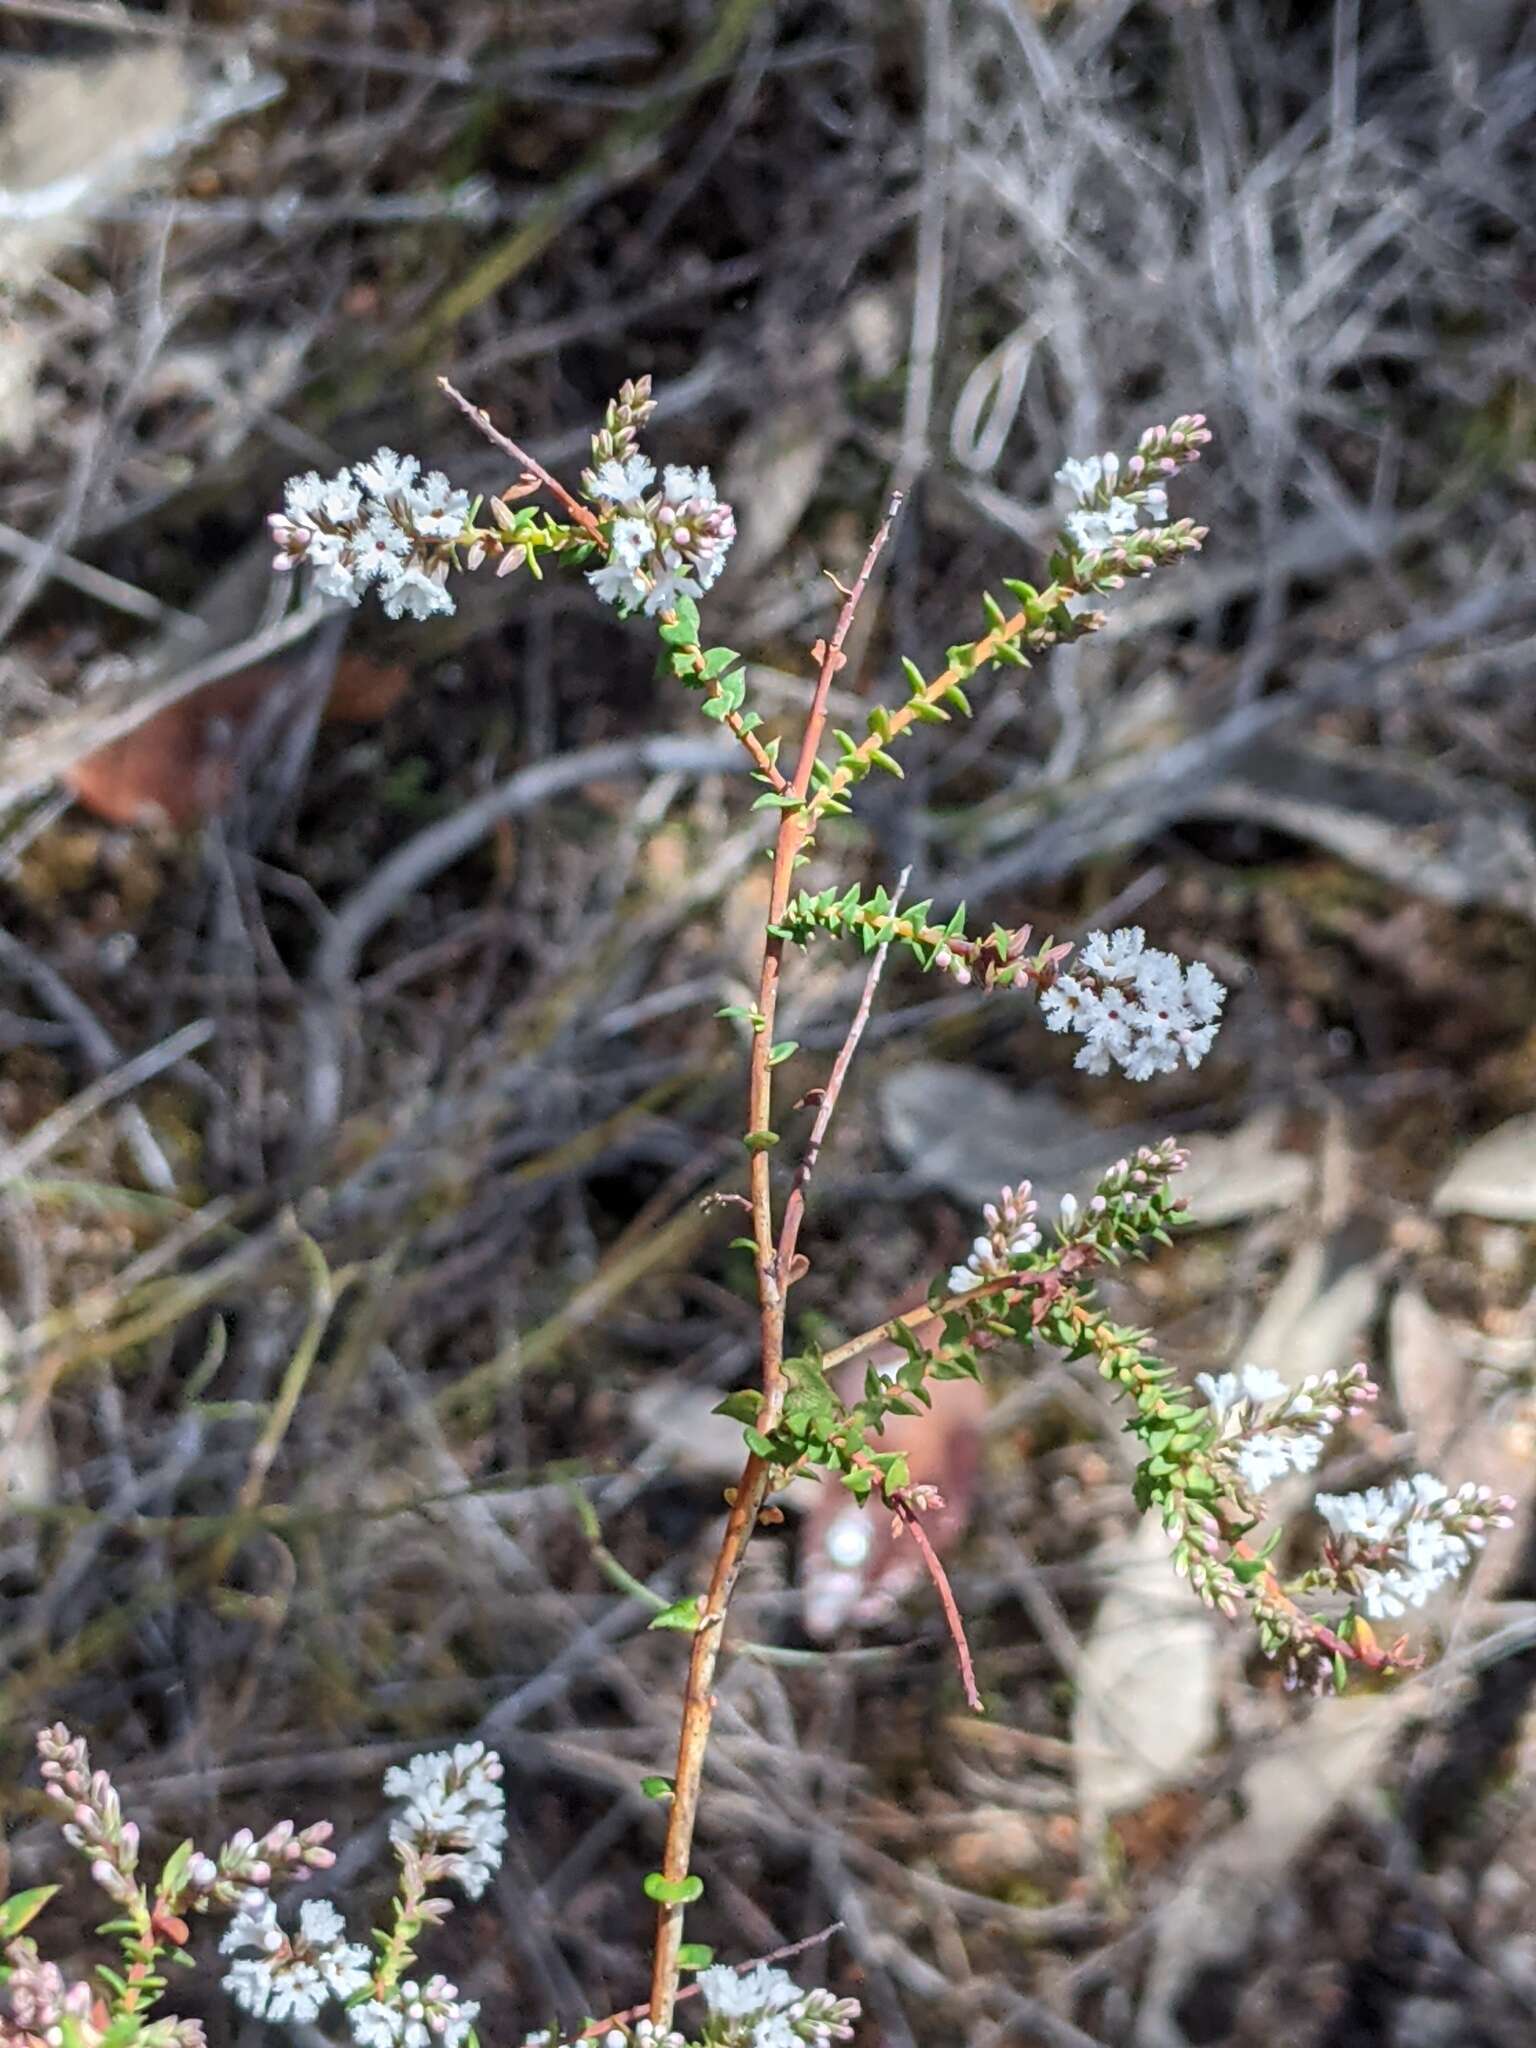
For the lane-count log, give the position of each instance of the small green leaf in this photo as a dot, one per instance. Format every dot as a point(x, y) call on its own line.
point(174, 1875)
point(956, 696)
point(914, 674)
point(719, 659)
point(22, 1908)
point(683, 1615)
point(673, 1891)
point(889, 763)
point(695, 1955)
point(759, 1445)
point(656, 1787)
point(760, 1141)
point(742, 1406)
point(786, 1049)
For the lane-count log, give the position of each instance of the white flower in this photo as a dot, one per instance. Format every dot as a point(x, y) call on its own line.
point(775, 2030)
point(303, 496)
point(1260, 1384)
point(254, 1926)
point(1090, 530)
point(388, 472)
point(1068, 1211)
point(1068, 1005)
point(630, 541)
point(678, 485)
point(435, 509)
point(380, 2026)
point(1154, 504)
point(1112, 956)
point(668, 587)
point(1081, 477)
point(734, 1994)
point(1270, 1453)
point(622, 482)
point(617, 585)
point(415, 593)
point(340, 499)
point(295, 1993)
point(1220, 1390)
point(292, 1979)
point(379, 550)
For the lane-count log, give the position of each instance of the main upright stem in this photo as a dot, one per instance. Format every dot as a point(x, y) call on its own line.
point(773, 1265)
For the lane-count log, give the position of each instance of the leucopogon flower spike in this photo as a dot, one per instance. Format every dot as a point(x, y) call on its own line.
point(1394, 1546)
point(1113, 503)
point(1265, 1428)
point(430, 2015)
point(1134, 1007)
point(290, 1977)
point(380, 526)
point(455, 1813)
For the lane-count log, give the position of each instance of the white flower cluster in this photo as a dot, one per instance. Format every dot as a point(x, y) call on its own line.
point(1266, 1428)
point(765, 2008)
point(1104, 514)
point(291, 1977)
point(382, 526)
point(661, 548)
point(430, 2015)
point(1402, 1542)
point(1134, 1007)
point(1011, 1231)
point(455, 1812)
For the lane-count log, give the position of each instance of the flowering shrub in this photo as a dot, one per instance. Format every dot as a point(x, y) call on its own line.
point(1209, 1453)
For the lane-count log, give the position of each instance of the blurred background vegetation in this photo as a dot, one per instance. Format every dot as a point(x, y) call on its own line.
point(359, 1077)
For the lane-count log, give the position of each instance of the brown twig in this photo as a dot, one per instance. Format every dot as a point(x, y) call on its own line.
point(585, 518)
point(794, 1208)
point(910, 1520)
point(752, 1487)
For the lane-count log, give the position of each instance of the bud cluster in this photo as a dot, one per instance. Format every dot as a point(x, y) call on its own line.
point(618, 438)
point(38, 2000)
point(95, 1825)
point(1114, 530)
point(1010, 1235)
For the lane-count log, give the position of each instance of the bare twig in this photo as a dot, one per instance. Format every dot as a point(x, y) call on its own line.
point(794, 1208)
point(583, 515)
point(55, 1128)
point(911, 1521)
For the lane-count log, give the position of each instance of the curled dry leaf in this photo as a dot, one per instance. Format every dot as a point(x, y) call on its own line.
point(1146, 1704)
point(1495, 1177)
point(178, 767)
